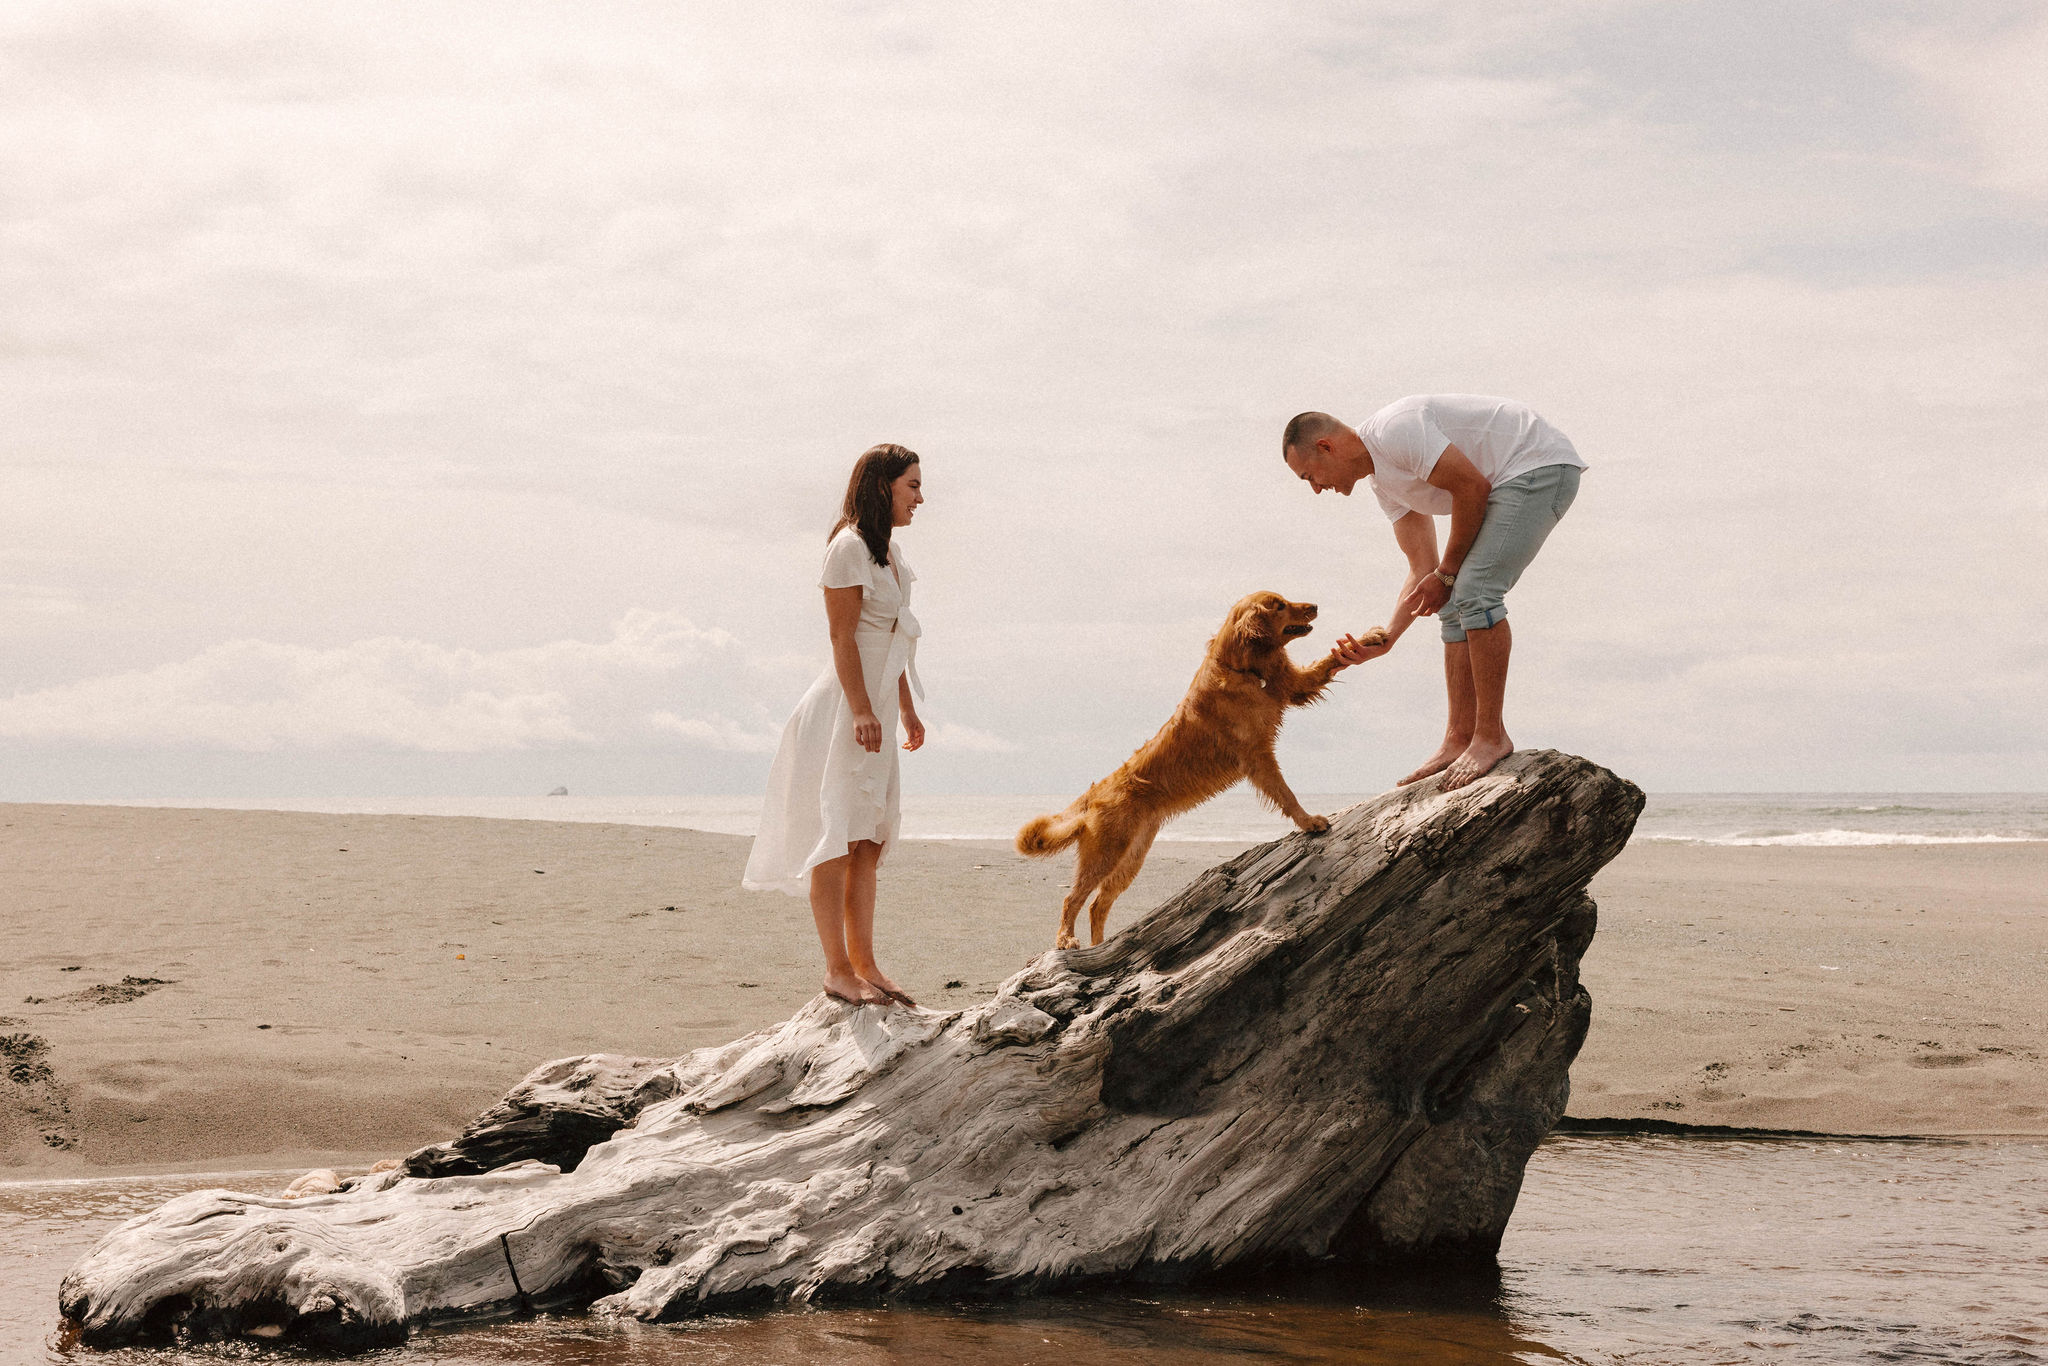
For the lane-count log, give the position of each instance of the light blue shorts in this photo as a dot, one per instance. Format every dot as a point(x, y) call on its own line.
point(1519, 516)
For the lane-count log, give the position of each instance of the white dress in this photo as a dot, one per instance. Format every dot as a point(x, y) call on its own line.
point(824, 790)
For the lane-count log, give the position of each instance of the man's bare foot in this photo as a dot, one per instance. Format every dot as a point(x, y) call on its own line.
point(1446, 755)
point(1477, 761)
point(875, 981)
point(845, 986)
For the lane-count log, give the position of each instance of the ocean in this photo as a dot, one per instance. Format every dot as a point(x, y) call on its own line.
point(1818, 819)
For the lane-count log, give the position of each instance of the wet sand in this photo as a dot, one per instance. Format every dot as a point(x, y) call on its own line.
point(1889, 990)
point(217, 988)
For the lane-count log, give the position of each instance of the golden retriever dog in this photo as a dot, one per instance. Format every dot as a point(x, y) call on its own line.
point(1223, 730)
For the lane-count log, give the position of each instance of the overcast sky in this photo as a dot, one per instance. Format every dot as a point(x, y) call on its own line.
point(406, 398)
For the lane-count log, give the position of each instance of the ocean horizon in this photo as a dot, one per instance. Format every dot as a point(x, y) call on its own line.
point(1792, 819)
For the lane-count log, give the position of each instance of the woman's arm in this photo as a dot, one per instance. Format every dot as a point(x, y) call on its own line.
point(913, 728)
point(842, 616)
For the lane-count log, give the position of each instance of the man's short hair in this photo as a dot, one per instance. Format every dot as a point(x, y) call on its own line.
point(1305, 428)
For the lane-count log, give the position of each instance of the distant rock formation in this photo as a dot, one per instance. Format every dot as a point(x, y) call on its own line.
point(558, 792)
point(1332, 1047)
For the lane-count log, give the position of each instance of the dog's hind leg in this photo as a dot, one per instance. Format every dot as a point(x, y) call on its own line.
point(1120, 878)
point(1095, 861)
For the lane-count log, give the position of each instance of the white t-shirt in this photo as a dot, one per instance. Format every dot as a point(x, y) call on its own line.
point(1501, 437)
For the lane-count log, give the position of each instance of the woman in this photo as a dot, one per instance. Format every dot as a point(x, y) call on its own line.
point(833, 804)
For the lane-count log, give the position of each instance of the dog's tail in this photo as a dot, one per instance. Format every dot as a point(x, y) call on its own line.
point(1044, 835)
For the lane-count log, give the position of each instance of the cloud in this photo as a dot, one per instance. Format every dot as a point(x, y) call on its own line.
point(951, 735)
point(319, 337)
point(1993, 87)
point(722, 733)
point(717, 732)
point(30, 599)
point(390, 693)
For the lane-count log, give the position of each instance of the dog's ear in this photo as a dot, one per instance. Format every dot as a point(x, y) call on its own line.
point(1254, 632)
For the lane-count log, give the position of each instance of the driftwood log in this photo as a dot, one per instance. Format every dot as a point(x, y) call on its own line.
point(1333, 1047)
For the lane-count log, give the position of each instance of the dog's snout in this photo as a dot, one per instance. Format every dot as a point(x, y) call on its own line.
point(1308, 609)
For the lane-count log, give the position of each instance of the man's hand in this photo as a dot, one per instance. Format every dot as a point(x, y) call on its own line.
point(1351, 650)
point(1425, 598)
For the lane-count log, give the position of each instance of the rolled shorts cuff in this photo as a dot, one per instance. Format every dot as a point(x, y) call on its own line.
point(1454, 624)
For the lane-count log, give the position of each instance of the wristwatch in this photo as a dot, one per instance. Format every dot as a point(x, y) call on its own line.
point(1447, 580)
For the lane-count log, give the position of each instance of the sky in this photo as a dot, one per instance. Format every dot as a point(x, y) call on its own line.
point(449, 398)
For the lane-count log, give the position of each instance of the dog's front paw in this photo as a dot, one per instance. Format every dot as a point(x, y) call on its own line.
point(1315, 825)
point(1065, 941)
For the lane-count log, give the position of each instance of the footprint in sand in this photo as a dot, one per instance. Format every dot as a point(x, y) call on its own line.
point(21, 1059)
point(104, 994)
point(29, 1086)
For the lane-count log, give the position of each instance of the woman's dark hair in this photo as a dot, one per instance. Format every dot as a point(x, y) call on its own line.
point(868, 508)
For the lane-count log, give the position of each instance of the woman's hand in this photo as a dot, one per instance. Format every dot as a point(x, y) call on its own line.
point(867, 731)
point(913, 730)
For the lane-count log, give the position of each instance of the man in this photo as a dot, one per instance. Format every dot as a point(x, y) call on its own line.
point(1505, 477)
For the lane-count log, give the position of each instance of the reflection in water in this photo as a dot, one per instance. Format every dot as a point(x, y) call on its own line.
point(1066, 1329)
point(1622, 1250)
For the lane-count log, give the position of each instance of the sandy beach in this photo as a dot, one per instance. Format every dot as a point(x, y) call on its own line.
point(189, 989)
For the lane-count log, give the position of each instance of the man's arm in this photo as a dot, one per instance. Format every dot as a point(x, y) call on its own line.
point(1415, 533)
point(1456, 475)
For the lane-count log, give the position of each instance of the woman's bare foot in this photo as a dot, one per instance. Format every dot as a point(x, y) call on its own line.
point(850, 988)
point(1446, 755)
point(875, 981)
point(1477, 761)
